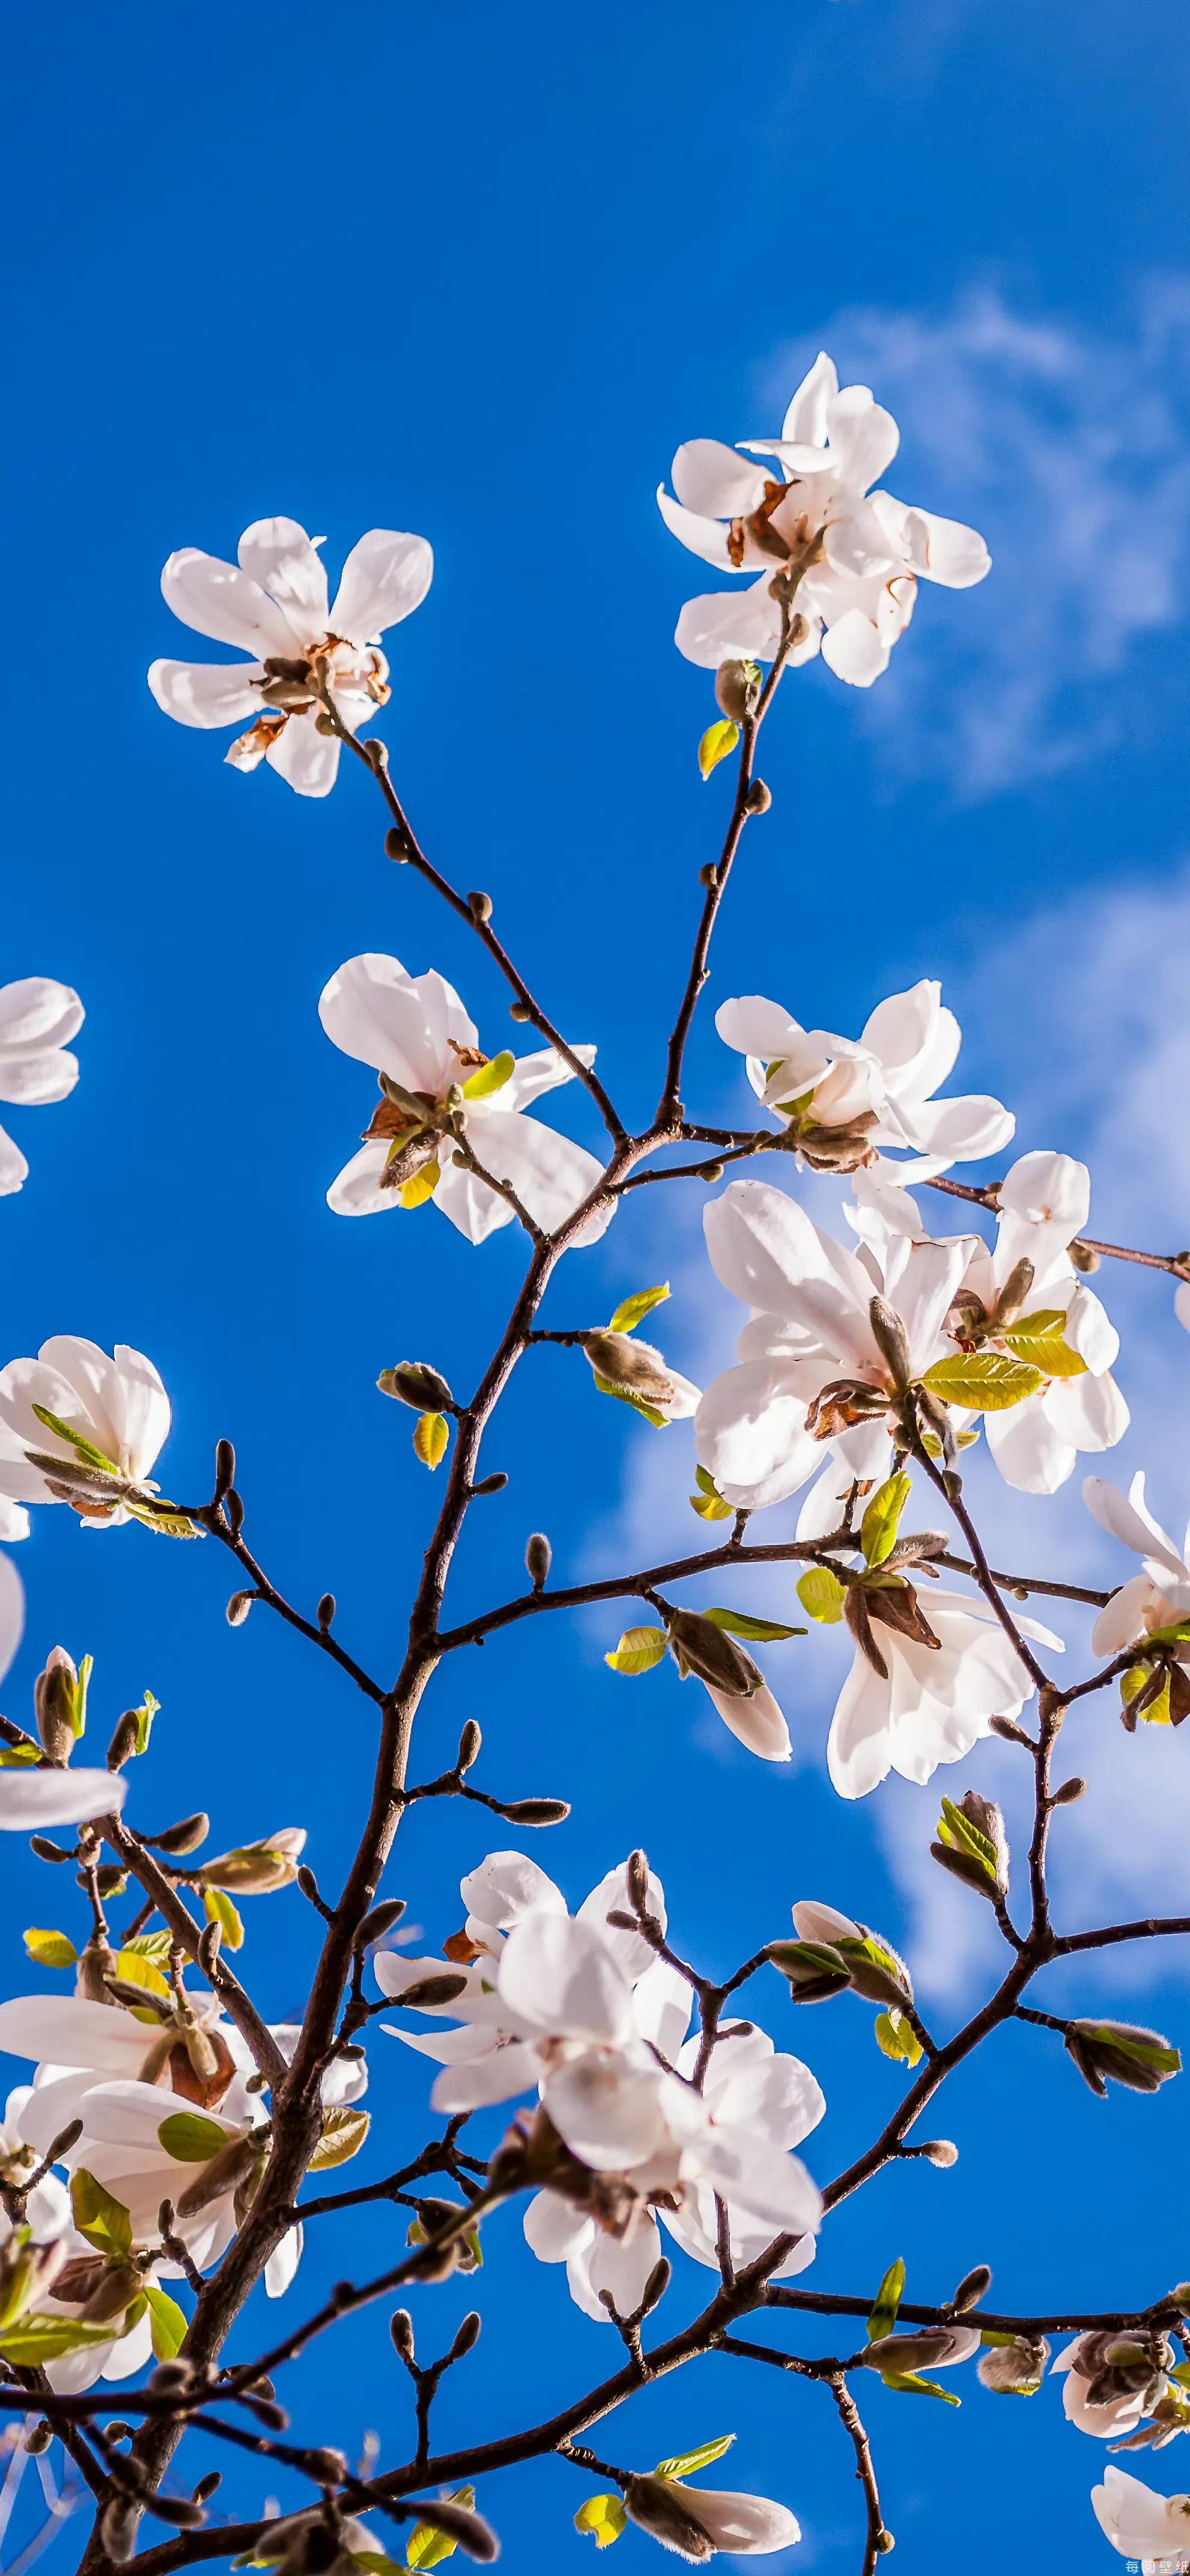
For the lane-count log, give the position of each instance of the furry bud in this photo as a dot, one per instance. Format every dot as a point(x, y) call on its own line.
point(1069, 1792)
point(759, 798)
point(699, 1646)
point(414, 1383)
point(326, 1611)
point(737, 687)
point(55, 1699)
point(238, 1608)
point(658, 2506)
point(470, 1744)
point(225, 1468)
point(519, 1011)
point(480, 907)
point(39, 2437)
point(1016, 2367)
point(494, 1484)
point(1083, 1257)
point(535, 1811)
point(379, 1921)
point(233, 1505)
point(124, 1742)
point(400, 2328)
point(539, 1557)
point(973, 2287)
point(467, 2335)
point(181, 1838)
point(655, 2287)
point(940, 2151)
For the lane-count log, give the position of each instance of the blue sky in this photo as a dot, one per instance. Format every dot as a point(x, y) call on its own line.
point(477, 274)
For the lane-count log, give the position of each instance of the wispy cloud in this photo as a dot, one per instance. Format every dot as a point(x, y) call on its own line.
point(1070, 450)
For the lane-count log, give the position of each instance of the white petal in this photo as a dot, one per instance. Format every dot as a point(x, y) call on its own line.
point(1090, 1411)
point(807, 415)
point(494, 2077)
point(747, 2526)
point(751, 1436)
point(282, 2263)
point(219, 600)
point(756, 1027)
point(863, 436)
point(31, 1799)
point(1131, 1521)
point(279, 555)
point(854, 651)
point(961, 1130)
point(37, 1013)
point(401, 1024)
point(532, 1075)
point(724, 625)
point(1090, 1331)
point(1122, 1622)
point(859, 1746)
point(555, 2229)
point(505, 1886)
point(813, 1921)
point(556, 1975)
point(306, 759)
point(1048, 1189)
point(703, 536)
point(607, 2108)
point(757, 1721)
point(630, 1950)
point(386, 576)
point(357, 1191)
point(475, 1209)
point(14, 1170)
point(550, 1174)
point(714, 482)
point(12, 1629)
point(66, 2030)
point(1029, 1447)
point(942, 550)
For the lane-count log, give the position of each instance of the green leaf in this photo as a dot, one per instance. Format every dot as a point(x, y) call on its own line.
point(633, 1310)
point(343, 2133)
point(957, 1830)
point(144, 1716)
point(1147, 2052)
point(909, 2382)
point(739, 1623)
point(414, 1193)
point(624, 1395)
point(163, 1518)
point(148, 1945)
point(638, 1650)
point(104, 2221)
point(688, 2463)
point(40, 2339)
point(50, 1949)
point(84, 1450)
point(169, 2323)
point(427, 2545)
point(15, 1756)
point(708, 1501)
point(888, 2299)
point(718, 743)
point(878, 1529)
point(489, 1077)
point(430, 1436)
point(821, 1593)
point(1041, 1339)
point(897, 2037)
point(984, 1381)
point(604, 2517)
point(81, 1688)
point(219, 1909)
point(373, 2562)
point(190, 2139)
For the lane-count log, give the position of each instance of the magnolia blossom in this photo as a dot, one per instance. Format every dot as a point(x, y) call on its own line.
point(854, 555)
point(934, 1700)
point(37, 1019)
point(810, 1333)
point(34, 1796)
point(1159, 1597)
point(274, 605)
point(1142, 2524)
point(695, 2522)
point(849, 1101)
point(115, 1415)
point(580, 2010)
point(1113, 2380)
point(47, 2208)
point(437, 1086)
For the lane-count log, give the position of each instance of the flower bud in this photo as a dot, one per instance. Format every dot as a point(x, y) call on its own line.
point(233, 1505)
point(47, 1850)
point(814, 1968)
point(539, 1557)
point(255, 1869)
point(55, 1700)
point(973, 2287)
point(238, 1608)
point(888, 1333)
point(39, 2437)
point(96, 1964)
point(657, 2505)
point(636, 1875)
point(379, 1921)
point(400, 2328)
point(124, 1742)
point(1083, 1257)
point(1070, 1791)
point(467, 2336)
point(480, 907)
point(700, 1647)
point(470, 1744)
point(117, 2530)
point(113, 2294)
point(206, 2485)
point(326, 1612)
point(430, 1993)
point(395, 844)
point(494, 1484)
point(655, 2287)
point(759, 798)
point(182, 1838)
point(415, 1383)
point(1140, 2059)
point(225, 1468)
point(1015, 2367)
point(940, 2151)
point(226, 2170)
point(535, 1811)
point(632, 1367)
point(927, 2348)
point(737, 687)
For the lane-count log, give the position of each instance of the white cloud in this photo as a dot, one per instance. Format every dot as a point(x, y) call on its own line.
point(1070, 450)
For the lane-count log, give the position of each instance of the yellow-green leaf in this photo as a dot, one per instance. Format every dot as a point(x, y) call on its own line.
point(84, 1450)
point(40, 2339)
point(878, 1529)
point(711, 1507)
point(956, 1828)
point(430, 1436)
point(638, 1650)
point(343, 2133)
point(718, 743)
point(888, 2299)
point(633, 1310)
point(163, 1518)
point(1049, 1351)
point(414, 1193)
point(821, 1593)
point(688, 2463)
point(219, 1909)
point(190, 2139)
point(912, 2384)
point(489, 1077)
point(144, 1716)
point(604, 2517)
point(169, 2323)
point(427, 2545)
point(897, 2037)
point(624, 1395)
point(739, 1623)
point(148, 1945)
point(983, 1381)
point(103, 2220)
point(50, 1949)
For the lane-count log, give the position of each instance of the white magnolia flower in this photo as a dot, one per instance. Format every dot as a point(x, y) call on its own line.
point(1140, 2523)
point(810, 1330)
point(47, 2208)
point(1124, 2374)
point(851, 1101)
point(34, 1796)
point(414, 1030)
point(1154, 1603)
point(695, 2522)
point(274, 605)
point(932, 1703)
point(748, 2084)
point(115, 1407)
point(37, 1018)
point(863, 552)
point(1043, 1204)
point(578, 2010)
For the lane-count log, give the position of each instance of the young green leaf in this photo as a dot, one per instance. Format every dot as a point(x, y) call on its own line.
point(103, 2220)
point(190, 2139)
point(897, 2037)
point(688, 2463)
point(739, 1623)
point(708, 1501)
point(604, 2517)
point(888, 2299)
point(430, 1436)
point(37, 2340)
point(50, 1949)
point(633, 1310)
point(912, 2385)
point(343, 2134)
point(169, 2323)
point(427, 2546)
point(489, 1077)
point(983, 1381)
point(878, 1529)
point(624, 1395)
point(959, 1833)
point(638, 1650)
point(718, 743)
point(1041, 1339)
point(414, 1193)
point(219, 1908)
point(821, 1593)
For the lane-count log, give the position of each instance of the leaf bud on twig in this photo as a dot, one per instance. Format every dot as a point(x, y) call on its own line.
point(940, 2151)
point(55, 1700)
point(737, 687)
point(181, 1838)
point(973, 2287)
point(710, 1172)
point(708, 875)
point(519, 1011)
point(1069, 1792)
point(415, 1383)
point(328, 2466)
point(535, 1811)
point(39, 2437)
point(225, 1468)
point(377, 751)
point(470, 1745)
point(233, 1505)
point(206, 2485)
point(479, 906)
point(210, 1942)
point(395, 844)
point(326, 1612)
point(46, 1850)
point(759, 797)
point(1140, 2059)
point(400, 2327)
point(493, 1484)
point(428, 1993)
point(379, 1921)
point(124, 1742)
point(1083, 1257)
point(655, 2287)
point(238, 1608)
point(539, 1557)
point(636, 1873)
point(467, 2336)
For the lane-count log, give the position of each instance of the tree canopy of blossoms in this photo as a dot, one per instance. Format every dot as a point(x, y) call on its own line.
point(578, 2073)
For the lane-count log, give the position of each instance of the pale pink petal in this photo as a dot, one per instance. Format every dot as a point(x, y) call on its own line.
point(279, 555)
point(306, 759)
point(386, 576)
point(219, 600)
